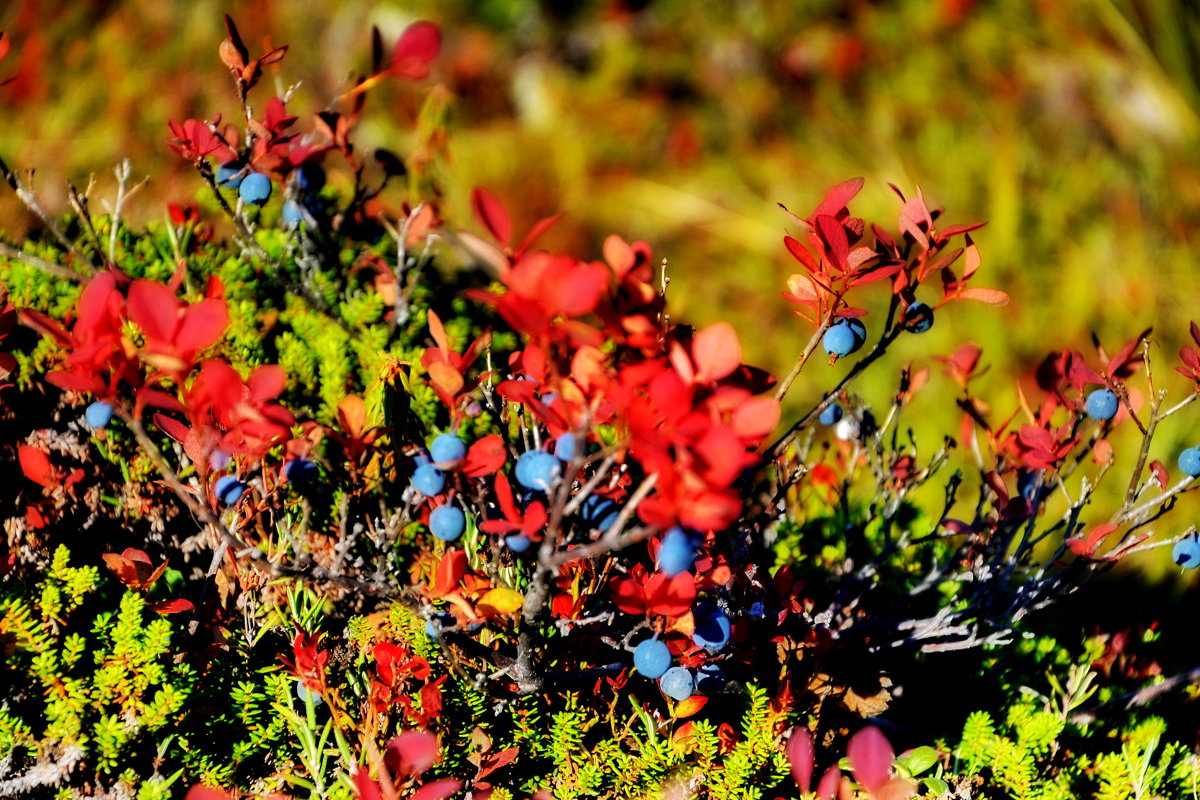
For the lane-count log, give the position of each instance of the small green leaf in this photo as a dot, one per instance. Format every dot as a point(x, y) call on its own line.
point(937, 787)
point(921, 759)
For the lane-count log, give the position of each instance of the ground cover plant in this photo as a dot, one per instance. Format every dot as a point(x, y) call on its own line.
point(316, 494)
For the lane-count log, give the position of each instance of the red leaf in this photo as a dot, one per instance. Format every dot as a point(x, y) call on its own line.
point(800, 758)
point(871, 757)
point(417, 751)
point(5, 43)
point(628, 595)
point(491, 214)
point(266, 382)
point(438, 790)
point(364, 787)
point(671, 597)
point(449, 572)
point(207, 793)
point(834, 235)
point(36, 466)
point(1097, 534)
point(154, 309)
point(172, 427)
point(800, 253)
point(485, 456)
point(716, 352)
point(203, 324)
point(756, 418)
point(839, 197)
point(497, 760)
point(1102, 452)
point(417, 46)
point(171, 606)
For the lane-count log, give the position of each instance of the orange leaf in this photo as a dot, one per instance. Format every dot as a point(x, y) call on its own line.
point(686, 708)
point(992, 297)
point(500, 600)
point(352, 414)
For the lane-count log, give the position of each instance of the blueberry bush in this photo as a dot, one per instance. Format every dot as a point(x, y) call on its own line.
point(315, 493)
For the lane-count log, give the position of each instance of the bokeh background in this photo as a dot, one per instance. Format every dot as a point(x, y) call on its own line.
point(1072, 126)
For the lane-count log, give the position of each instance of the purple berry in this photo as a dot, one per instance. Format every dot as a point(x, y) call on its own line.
point(651, 658)
point(309, 177)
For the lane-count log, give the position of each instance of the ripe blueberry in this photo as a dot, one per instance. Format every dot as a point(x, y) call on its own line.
point(838, 340)
point(830, 414)
point(429, 480)
point(710, 678)
point(599, 512)
point(678, 683)
point(292, 213)
point(299, 470)
point(229, 489)
point(98, 414)
point(309, 177)
point(677, 553)
point(518, 542)
point(255, 188)
point(538, 470)
point(229, 174)
point(564, 448)
point(651, 658)
point(918, 318)
point(1187, 553)
point(713, 630)
point(447, 447)
point(447, 522)
point(1189, 461)
point(1102, 404)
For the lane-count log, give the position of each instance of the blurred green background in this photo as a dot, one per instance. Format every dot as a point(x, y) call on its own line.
point(1071, 125)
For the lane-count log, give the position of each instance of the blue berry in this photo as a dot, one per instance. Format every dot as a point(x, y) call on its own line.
point(651, 658)
point(678, 683)
point(1028, 484)
point(758, 610)
point(1102, 404)
point(677, 553)
point(447, 447)
point(429, 480)
point(565, 448)
point(840, 340)
point(1187, 553)
point(710, 678)
point(303, 693)
point(518, 542)
point(299, 470)
point(447, 522)
point(255, 188)
point(229, 489)
point(713, 630)
point(292, 213)
point(1189, 461)
point(98, 414)
point(830, 415)
point(918, 318)
point(309, 177)
point(599, 512)
point(538, 470)
point(229, 174)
